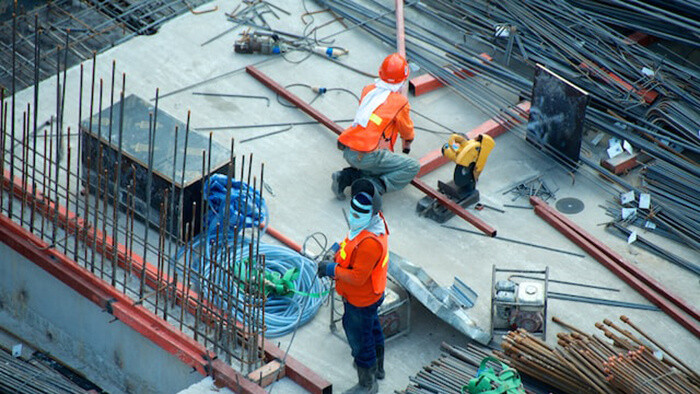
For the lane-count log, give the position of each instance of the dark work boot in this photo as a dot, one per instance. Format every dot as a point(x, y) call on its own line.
point(380, 362)
point(367, 381)
point(343, 179)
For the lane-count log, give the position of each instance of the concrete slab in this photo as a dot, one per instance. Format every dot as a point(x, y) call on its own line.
point(298, 164)
point(50, 315)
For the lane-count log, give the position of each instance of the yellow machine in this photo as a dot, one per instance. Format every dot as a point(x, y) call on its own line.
point(469, 155)
point(470, 158)
point(464, 152)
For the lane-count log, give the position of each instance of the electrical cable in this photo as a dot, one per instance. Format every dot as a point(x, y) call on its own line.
point(318, 90)
point(301, 292)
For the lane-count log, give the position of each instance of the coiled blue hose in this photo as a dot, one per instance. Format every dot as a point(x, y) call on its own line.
point(283, 313)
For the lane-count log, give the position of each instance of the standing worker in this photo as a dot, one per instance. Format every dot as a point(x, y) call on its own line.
point(368, 144)
point(360, 269)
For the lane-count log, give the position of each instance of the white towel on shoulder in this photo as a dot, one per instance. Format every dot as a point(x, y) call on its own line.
point(373, 99)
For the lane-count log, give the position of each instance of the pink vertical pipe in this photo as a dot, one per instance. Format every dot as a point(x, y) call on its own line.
point(400, 37)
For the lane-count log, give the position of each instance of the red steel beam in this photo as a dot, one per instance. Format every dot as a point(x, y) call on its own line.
point(314, 113)
point(647, 95)
point(640, 38)
point(119, 305)
point(427, 83)
point(454, 207)
point(492, 127)
point(655, 294)
point(634, 270)
point(296, 370)
point(294, 99)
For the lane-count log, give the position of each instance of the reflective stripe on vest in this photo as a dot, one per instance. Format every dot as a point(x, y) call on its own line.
point(367, 139)
point(379, 272)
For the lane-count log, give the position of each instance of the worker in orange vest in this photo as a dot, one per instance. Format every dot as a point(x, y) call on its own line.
point(359, 269)
point(368, 144)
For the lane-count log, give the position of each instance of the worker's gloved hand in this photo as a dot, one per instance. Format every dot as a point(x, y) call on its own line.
point(407, 146)
point(326, 268)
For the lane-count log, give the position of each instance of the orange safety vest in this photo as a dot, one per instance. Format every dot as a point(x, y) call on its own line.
point(357, 295)
point(367, 139)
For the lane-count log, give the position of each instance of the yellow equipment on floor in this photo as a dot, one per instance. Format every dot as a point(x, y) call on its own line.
point(470, 158)
point(469, 153)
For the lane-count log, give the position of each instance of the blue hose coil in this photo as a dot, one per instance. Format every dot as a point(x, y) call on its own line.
point(283, 313)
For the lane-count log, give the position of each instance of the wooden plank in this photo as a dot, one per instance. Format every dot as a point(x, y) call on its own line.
point(267, 374)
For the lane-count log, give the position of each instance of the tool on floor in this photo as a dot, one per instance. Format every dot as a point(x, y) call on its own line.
point(272, 43)
point(534, 186)
point(394, 313)
point(519, 305)
point(463, 294)
point(470, 158)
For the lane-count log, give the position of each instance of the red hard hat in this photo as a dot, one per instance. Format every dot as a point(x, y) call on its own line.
point(394, 69)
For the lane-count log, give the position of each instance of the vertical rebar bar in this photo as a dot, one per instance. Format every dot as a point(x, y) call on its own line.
point(165, 277)
point(67, 228)
point(115, 229)
point(86, 213)
point(132, 208)
point(12, 120)
point(36, 105)
point(44, 182)
point(100, 153)
point(58, 142)
point(111, 98)
point(117, 176)
point(185, 299)
point(78, 156)
point(159, 260)
point(3, 117)
point(103, 249)
point(198, 301)
point(173, 233)
point(22, 174)
point(147, 210)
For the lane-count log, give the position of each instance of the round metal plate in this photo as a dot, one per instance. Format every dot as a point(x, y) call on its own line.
point(569, 205)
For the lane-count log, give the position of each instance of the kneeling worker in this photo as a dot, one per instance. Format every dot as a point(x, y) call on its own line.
point(368, 144)
point(360, 270)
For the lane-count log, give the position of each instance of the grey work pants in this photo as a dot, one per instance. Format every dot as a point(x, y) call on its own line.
point(393, 169)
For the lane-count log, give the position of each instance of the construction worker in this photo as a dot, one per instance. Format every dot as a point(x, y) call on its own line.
point(368, 144)
point(359, 269)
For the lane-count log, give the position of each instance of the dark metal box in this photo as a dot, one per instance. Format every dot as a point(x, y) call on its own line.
point(100, 133)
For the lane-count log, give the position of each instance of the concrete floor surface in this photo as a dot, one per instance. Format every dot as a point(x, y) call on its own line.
point(299, 162)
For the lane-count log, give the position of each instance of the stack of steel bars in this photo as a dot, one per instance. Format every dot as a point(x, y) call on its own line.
point(452, 371)
point(82, 27)
point(669, 19)
point(624, 233)
point(32, 376)
point(677, 192)
point(587, 363)
point(638, 96)
point(674, 306)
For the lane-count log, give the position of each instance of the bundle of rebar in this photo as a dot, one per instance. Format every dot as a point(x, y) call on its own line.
point(82, 27)
point(452, 371)
point(31, 376)
point(645, 98)
point(678, 192)
point(586, 363)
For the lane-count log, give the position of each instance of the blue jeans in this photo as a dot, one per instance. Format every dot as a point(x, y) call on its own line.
point(364, 332)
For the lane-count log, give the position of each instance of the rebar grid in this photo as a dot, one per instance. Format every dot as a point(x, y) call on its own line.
point(77, 210)
point(84, 28)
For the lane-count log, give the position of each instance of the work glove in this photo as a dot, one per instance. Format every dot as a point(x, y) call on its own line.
point(326, 268)
point(407, 146)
